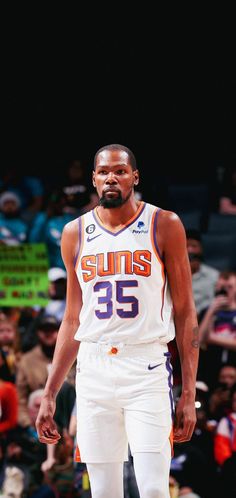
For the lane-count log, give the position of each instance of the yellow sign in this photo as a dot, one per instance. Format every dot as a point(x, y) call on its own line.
point(24, 275)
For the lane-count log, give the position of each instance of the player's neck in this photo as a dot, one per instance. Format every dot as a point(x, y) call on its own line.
point(116, 217)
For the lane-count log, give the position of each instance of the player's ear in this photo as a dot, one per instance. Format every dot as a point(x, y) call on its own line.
point(93, 178)
point(136, 177)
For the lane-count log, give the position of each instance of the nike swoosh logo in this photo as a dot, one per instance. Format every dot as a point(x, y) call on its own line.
point(150, 367)
point(92, 238)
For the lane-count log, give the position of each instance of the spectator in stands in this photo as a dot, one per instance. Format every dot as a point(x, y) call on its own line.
point(34, 401)
point(197, 453)
point(227, 197)
point(25, 453)
point(203, 281)
point(225, 448)
point(227, 375)
point(48, 226)
point(3, 315)
point(32, 373)
point(10, 343)
point(34, 365)
point(219, 398)
point(80, 197)
point(56, 305)
point(57, 292)
point(217, 329)
point(29, 189)
point(12, 483)
point(8, 401)
point(13, 229)
point(204, 277)
point(8, 408)
point(5, 372)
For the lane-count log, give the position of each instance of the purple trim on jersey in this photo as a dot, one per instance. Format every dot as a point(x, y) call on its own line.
point(122, 229)
point(80, 239)
point(163, 295)
point(169, 370)
point(155, 233)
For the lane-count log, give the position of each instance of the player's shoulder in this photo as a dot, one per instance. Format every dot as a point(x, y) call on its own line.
point(71, 231)
point(165, 215)
point(71, 226)
point(74, 225)
point(170, 216)
point(169, 226)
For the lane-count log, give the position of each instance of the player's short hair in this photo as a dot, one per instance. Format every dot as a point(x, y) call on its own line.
point(117, 147)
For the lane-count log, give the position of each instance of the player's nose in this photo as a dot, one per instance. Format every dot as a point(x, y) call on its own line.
point(111, 178)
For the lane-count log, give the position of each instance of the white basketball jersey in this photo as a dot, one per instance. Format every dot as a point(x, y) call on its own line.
point(126, 299)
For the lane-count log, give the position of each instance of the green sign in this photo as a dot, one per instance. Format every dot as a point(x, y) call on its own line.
point(24, 275)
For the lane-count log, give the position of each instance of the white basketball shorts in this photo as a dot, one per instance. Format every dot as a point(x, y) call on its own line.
point(123, 395)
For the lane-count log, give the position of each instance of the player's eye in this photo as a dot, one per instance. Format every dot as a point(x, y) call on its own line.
point(120, 172)
point(102, 172)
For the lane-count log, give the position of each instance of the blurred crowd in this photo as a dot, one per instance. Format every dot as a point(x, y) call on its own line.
point(32, 211)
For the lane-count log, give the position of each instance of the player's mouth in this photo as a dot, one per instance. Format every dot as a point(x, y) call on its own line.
point(110, 190)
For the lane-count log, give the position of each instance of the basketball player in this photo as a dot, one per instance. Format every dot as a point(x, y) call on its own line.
point(128, 294)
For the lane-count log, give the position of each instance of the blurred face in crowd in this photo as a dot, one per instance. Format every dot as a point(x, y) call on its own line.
point(227, 283)
point(227, 375)
point(7, 333)
point(34, 404)
point(230, 287)
point(57, 289)
point(194, 248)
point(10, 208)
point(75, 171)
point(48, 336)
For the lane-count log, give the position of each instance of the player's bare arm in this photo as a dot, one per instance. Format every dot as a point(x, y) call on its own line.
point(66, 347)
point(172, 242)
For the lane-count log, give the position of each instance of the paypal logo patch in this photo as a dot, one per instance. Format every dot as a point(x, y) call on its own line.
point(140, 224)
point(140, 228)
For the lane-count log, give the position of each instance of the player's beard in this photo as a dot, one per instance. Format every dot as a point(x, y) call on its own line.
point(114, 202)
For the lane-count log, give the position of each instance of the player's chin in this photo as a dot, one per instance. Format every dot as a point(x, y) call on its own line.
point(111, 196)
point(111, 202)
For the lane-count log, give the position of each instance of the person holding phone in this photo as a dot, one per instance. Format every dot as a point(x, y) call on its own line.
point(217, 329)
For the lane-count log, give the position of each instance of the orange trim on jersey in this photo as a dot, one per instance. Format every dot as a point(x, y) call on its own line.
point(171, 439)
point(129, 222)
point(159, 259)
point(135, 215)
point(77, 457)
point(81, 242)
point(152, 240)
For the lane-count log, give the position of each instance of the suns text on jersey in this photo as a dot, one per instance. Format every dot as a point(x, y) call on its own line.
point(114, 263)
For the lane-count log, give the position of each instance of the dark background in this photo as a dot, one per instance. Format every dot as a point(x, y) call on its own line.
point(162, 84)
